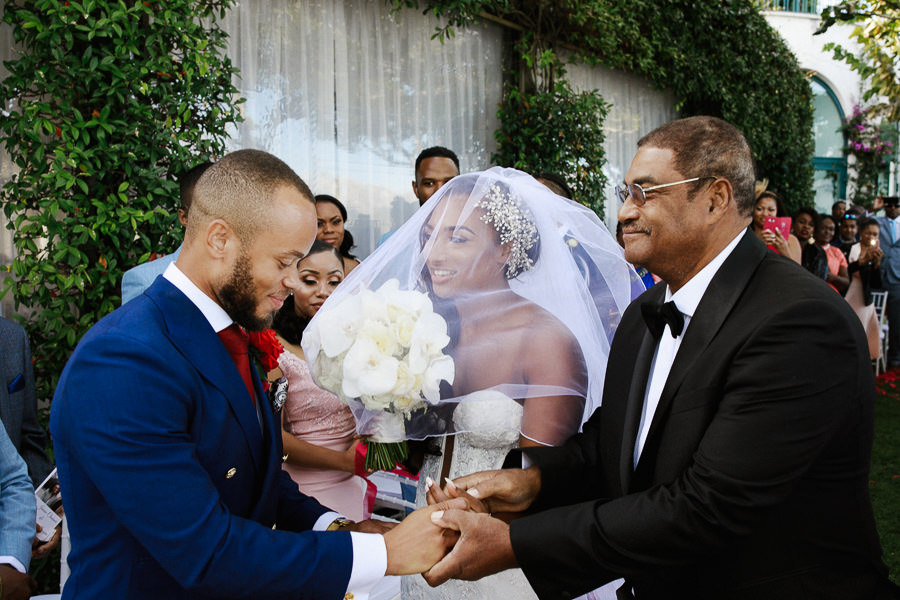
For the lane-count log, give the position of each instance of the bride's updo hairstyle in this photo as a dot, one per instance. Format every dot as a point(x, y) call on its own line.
point(514, 225)
point(507, 215)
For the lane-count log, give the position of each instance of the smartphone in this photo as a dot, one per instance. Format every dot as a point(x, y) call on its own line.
point(782, 224)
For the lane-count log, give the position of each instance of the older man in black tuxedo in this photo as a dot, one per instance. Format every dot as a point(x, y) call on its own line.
point(730, 456)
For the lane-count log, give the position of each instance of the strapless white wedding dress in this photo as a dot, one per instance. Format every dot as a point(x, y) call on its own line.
point(498, 419)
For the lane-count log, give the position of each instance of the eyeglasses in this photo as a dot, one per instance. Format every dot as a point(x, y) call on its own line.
point(849, 217)
point(637, 193)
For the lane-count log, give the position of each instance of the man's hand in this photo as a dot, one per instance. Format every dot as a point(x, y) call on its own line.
point(416, 544)
point(483, 548)
point(42, 549)
point(16, 586)
point(506, 490)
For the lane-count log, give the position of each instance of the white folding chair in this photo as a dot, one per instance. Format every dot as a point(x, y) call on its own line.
point(879, 299)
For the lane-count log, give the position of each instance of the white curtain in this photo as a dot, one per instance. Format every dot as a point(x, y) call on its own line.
point(637, 108)
point(348, 95)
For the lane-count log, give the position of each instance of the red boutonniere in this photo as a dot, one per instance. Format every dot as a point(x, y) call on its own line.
point(268, 347)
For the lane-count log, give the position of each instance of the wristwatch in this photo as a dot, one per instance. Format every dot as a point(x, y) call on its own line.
point(338, 523)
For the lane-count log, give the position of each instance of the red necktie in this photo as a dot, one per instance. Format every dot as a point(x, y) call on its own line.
point(236, 342)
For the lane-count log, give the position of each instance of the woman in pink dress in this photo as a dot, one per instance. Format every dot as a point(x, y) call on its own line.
point(837, 276)
point(318, 430)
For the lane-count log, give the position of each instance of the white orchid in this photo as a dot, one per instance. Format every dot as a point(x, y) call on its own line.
point(429, 337)
point(441, 368)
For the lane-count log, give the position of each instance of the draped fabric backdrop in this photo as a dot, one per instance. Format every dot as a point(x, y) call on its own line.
point(349, 94)
point(637, 108)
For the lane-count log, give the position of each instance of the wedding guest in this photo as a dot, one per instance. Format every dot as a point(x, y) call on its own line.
point(169, 452)
point(137, 279)
point(434, 167)
point(865, 275)
point(847, 232)
point(837, 276)
point(838, 209)
point(769, 204)
point(18, 401)
point(17, 518)
point(318, 430)
point(18, 412)
point(730, 455)
point(812, 257)
point(889, 242)
point(331, 217)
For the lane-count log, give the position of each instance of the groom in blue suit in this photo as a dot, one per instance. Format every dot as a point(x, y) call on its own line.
point(169, 453)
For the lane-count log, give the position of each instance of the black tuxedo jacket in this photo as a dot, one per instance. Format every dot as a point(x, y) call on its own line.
point(753, 481)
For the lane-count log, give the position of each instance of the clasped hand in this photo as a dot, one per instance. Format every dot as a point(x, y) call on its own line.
point(473, 512)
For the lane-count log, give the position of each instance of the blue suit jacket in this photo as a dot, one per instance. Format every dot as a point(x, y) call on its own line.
point(139, 278)
point(18, 405)
point(17, 510)
point(170, 484)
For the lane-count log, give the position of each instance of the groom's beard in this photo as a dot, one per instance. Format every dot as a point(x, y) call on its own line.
point(238, 297)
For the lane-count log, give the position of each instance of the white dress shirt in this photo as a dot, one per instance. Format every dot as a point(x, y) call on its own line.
point(686, 301)
point(369, 549)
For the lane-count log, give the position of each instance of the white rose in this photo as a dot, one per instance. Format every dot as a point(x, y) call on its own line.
point(328, 372)
point(402, 327)
point(408, 383)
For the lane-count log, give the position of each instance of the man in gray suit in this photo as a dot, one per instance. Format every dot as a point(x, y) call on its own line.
point(137, 279)
point(18, 404)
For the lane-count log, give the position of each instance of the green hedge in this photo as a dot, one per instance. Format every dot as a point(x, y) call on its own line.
point(717, 57)
point(107, 102)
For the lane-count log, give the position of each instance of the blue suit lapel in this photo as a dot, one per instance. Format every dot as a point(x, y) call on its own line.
point(192, 334)
point(722, 294)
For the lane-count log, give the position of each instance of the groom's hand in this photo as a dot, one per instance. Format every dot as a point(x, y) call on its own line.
point(417, 543)
point(483, 548)
point(506, 490)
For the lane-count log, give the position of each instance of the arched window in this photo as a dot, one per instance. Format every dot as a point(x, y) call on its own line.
point(830, 183)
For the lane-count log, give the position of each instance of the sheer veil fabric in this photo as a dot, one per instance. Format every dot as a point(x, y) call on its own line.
point(531, 286)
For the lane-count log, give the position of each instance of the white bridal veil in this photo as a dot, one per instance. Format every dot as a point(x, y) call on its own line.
point(530, 287)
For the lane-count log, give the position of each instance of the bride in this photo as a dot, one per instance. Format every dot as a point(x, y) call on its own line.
point(531, 286)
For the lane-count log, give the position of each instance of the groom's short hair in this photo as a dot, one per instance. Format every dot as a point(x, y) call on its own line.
point(707, 146)
point(240, 189)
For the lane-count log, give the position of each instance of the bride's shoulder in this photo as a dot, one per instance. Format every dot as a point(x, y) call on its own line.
point(548, 327)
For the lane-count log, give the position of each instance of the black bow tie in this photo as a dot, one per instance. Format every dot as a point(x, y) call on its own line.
point(658, 315)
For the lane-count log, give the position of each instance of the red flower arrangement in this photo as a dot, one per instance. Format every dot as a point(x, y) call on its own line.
point(269, 348)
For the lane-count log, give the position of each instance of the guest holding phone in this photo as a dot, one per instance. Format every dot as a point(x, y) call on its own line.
point(768, 208)
point(865, 275)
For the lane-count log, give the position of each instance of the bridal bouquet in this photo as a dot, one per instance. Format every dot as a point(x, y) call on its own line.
point(381, 352)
